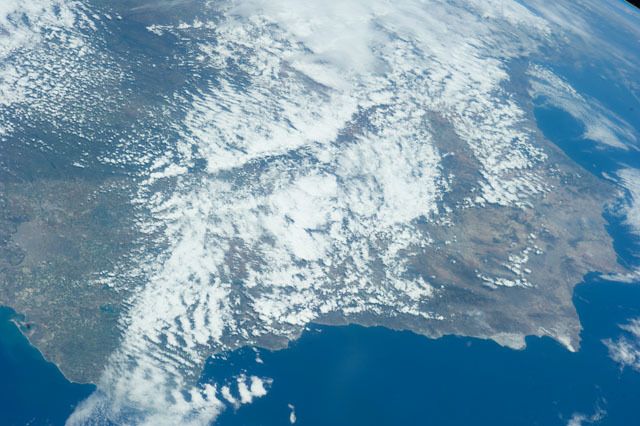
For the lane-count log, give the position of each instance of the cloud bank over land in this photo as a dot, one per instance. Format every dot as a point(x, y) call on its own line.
point(328, 161)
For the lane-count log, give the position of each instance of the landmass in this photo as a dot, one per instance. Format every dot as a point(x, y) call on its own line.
point(213, 177)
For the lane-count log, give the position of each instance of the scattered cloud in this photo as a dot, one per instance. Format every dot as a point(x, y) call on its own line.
point(601, 125)
point(316, 143)
point(625, 350)
point(247, 389)
point(292, 415)
point(630, 179)
point(579, 419)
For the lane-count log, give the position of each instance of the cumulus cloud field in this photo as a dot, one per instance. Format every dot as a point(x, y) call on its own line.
point(316, 168)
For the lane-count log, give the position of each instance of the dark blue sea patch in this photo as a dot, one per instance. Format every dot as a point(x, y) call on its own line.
point(374, 376)
point(32, 390)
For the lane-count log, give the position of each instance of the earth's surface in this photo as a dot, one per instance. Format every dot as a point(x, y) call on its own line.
point(183, 183)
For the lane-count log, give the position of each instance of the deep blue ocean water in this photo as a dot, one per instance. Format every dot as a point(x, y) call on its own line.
point(354, 375)
point(32, 390)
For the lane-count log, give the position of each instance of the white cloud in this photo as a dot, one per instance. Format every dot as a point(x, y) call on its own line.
point(320, 162)
point(23, 25)
point(225, 391)
point(53, 69)
point(625, 350)
point(292, 415)
point(630, 179)
point(579, 419)
point(250, 388)
point(600, 125)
